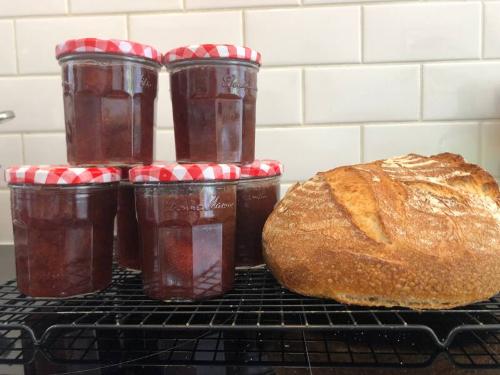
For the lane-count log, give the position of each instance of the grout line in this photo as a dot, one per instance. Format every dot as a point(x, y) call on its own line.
point(16, 49)
point(480, 145)
point(362, 144)
point(127, 20)
point(349, 3)
point(67, 7)
point(421, 112)
point(362, 34)
point(23, 151)
point(303, 95)
point(183, 5)
point(243, 33)
point(482, 30)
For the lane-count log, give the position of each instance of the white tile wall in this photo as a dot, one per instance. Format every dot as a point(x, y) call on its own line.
point(31, 7)
point(37, 102)
point(207, 4)
point(454, 91)
point(425, 31)
point(8, 50)
point(36, 55)
point(490, 146)
point(114, 6)
point(279, 97)
point(45, 148)
point(342, 80)
point(5, 219)
point(362, 93)
point(306, 151)
point(305, 36)
point(167, 31)
point(492, 29)
point(382, 141)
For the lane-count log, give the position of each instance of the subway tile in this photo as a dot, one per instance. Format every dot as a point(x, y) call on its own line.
point(163, 103)
point(422, 31)
point(37, 38)
point(212, 4)
point(5, 218)
point(36, 101)
point(11, 153)
point(491, 29)
point(279, 98)
point(307, 150)
point(8, 50)
point(284, 188)
point(311, 2)
point(31, 7)
point(114, 6)
point(362, 93)
point(305, 36)
point(490, 147)
point(164, 145)
point(458, 91)
point(45, 148)
point(383, 141)
point(167, 31)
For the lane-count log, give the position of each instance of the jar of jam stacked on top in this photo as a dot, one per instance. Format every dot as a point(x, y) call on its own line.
point(127, 250)
point(258, 193)
point(214, 91)
point(110, 89)
point(63, 228)
point(187, 219)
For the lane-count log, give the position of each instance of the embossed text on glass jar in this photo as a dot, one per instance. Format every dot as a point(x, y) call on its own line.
point(187, 231)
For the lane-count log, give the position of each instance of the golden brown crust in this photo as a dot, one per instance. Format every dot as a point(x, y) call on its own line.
point(414, 231)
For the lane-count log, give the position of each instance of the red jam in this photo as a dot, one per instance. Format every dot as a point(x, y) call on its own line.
point(187, 232)
point(128, 252)
point(109, 108)
point(214, 110)
point(256, 199)
point(63, 238)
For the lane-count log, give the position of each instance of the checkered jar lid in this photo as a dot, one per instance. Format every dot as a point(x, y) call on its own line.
point(172, 171)
point(212, 51)
point(112, 46)
point(262, 168)
point(61, 175)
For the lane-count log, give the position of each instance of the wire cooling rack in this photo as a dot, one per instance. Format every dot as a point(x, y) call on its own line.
point(261, 320)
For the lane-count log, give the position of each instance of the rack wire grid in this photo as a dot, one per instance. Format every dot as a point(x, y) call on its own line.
point(258, 322)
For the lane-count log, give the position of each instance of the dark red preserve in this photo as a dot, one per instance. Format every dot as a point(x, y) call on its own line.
point(109, 90)
point(214, 92)
point(258, 193)
point(187, 219)
point(63, 228)
point(128, 253)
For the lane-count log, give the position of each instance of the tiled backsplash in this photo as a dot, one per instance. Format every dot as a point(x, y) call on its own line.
point(342, 82)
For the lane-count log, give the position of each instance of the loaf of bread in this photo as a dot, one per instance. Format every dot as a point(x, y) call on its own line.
point(412, 231)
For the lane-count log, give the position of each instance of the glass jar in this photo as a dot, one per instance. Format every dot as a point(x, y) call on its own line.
point(187, 219)
point(63, 228)
point(214, 92)
point(258, 192)
point(128, 253)
point(109, 91)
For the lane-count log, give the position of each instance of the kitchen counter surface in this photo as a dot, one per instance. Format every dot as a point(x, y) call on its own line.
point(57, 359)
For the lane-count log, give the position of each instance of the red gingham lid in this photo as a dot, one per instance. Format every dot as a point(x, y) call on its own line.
point(261, 168)
point(60, 175)
point(114, 46)
point(172, 171)
point(209, 51)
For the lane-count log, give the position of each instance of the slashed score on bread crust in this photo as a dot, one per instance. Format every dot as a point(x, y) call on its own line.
point(413, 231)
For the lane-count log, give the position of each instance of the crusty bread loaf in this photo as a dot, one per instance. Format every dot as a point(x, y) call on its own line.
point(414, 231)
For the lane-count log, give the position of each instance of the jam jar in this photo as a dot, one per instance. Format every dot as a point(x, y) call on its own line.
point(214, 90)
point(109, 91)
point(63, 220)
point(187, 219)
point(128, 254)
point(258, 193)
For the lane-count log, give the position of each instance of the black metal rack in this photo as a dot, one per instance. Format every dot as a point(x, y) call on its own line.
point(257, 322)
